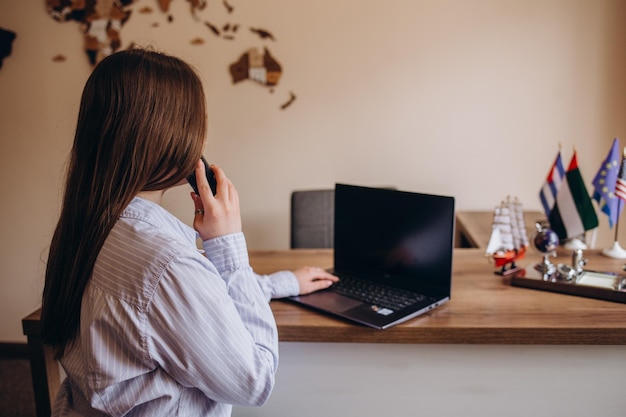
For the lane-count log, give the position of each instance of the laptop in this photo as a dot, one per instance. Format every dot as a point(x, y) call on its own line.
point(396, 248)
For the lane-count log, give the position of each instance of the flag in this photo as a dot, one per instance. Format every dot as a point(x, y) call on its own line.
point(604, 184)
point(620, 183)
point(548, 192)
point(573, 212)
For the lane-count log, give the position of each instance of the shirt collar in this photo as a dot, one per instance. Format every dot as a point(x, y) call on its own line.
point(152, 213)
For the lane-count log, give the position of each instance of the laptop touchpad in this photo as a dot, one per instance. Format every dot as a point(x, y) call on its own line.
point(331, 301)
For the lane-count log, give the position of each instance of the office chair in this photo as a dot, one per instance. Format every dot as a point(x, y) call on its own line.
point(312, 219)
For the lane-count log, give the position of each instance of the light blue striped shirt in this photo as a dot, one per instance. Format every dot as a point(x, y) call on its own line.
point(167, 331)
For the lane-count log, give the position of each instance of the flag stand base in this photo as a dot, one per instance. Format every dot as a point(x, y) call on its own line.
point(615, 251)
point(574, 244)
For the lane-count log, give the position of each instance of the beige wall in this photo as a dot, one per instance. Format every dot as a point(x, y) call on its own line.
point(464, 98)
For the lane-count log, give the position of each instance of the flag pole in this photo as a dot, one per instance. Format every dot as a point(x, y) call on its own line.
point(619, 214)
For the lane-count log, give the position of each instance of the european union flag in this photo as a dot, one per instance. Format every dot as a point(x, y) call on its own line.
point(604, 184)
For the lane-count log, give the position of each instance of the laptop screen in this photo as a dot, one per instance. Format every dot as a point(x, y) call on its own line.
point(395, 237)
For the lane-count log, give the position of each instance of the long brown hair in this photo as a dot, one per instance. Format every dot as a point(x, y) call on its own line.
point(141, 127)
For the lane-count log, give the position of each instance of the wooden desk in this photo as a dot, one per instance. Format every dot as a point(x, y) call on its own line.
point(473, 228)
point(492, 350)
point(484, 309)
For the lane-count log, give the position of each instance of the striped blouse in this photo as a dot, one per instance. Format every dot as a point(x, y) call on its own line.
point(167, 331)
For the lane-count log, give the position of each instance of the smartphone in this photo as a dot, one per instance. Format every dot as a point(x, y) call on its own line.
point(210, 176)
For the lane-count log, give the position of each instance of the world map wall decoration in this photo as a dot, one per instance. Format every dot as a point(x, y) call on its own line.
point(260, 67)
point(101, 23)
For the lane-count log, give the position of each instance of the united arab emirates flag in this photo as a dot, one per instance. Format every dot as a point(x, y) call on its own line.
point(573, 212)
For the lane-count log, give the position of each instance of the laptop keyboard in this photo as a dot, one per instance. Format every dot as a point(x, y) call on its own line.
point(376, 294)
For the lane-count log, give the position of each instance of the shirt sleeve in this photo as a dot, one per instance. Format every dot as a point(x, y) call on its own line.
point(279, 285)
point(210, 326)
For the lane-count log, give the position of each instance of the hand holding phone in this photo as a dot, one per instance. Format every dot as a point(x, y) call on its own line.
point(210, 176)
point(219, 215)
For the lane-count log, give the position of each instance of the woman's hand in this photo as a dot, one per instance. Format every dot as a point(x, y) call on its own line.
point(313, 279)
point(217, 215)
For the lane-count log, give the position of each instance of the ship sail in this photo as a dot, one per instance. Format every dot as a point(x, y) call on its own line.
point(495, 242)
point(520, 236)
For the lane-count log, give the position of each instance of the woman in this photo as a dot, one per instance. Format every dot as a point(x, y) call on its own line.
point(143, 323)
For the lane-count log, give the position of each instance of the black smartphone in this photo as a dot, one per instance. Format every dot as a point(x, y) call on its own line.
point(210, 176)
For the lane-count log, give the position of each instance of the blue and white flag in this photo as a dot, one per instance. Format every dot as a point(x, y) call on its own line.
point(548, 192)
point(605, 182)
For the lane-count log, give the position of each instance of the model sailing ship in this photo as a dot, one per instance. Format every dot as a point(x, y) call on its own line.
point(509, 240)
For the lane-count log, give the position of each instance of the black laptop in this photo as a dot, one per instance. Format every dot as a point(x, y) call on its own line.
point(393, 255)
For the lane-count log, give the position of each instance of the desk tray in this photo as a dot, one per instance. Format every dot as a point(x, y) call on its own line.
point(591, 284)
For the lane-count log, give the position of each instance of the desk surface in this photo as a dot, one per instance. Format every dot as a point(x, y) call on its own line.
point(484, 309)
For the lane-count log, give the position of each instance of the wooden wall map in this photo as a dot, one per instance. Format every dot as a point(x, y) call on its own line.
point(260, 67)
point(6, 43)
point(101, 23)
